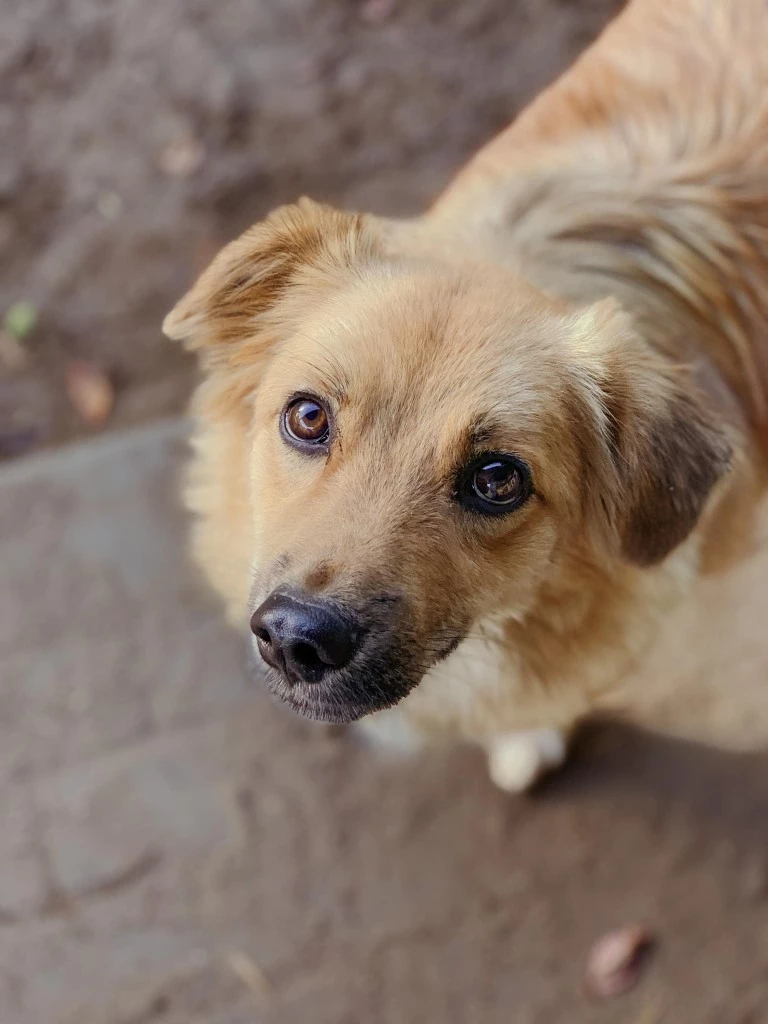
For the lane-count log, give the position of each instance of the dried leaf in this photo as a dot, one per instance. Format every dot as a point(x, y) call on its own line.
point(250, 973)
point(20, 320)
point(182, 156)
point(90, 392)
point(616, 960)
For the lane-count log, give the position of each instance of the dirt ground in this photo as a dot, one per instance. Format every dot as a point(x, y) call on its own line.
point(174, 849)
point(139, 136)
point(177, 849)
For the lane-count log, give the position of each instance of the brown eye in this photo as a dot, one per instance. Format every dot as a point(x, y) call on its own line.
point(499, 482)
point(307, 421)
point(494, 484)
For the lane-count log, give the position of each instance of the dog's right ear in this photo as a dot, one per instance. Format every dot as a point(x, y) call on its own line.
point(654, 450)
point(230, 300)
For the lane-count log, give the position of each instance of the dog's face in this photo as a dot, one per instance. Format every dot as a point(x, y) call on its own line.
point(429, 444)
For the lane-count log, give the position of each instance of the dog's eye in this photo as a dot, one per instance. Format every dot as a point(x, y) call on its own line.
point(494, 484)
point(306, 420)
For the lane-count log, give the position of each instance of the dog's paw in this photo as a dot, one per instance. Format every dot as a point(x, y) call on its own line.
point(517, 760)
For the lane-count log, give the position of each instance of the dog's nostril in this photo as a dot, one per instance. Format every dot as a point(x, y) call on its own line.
point(308, 657)
point(262, 634)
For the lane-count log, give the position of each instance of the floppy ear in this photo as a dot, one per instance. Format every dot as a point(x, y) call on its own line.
point(660, 454)
point(230, 300)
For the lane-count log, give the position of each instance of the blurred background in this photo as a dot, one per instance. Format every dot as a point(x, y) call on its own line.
point(174, 849)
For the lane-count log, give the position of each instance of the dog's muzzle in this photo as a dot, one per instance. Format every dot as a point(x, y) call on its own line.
point(333, 662)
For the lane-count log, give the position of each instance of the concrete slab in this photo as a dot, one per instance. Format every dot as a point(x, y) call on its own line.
point(176, 849)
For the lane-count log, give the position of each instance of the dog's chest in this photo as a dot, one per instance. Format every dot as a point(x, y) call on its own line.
point(480, 670)
point(459, 697)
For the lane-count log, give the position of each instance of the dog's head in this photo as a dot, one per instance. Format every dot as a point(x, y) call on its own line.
point(430, 443)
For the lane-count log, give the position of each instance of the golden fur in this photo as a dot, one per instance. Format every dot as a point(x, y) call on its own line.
point(591, 293)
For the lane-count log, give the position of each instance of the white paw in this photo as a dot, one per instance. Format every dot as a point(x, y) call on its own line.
point(517, 760)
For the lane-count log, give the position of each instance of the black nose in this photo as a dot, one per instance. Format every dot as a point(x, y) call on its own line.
point(304, 639)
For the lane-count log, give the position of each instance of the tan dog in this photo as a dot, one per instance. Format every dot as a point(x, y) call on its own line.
point(466, 465)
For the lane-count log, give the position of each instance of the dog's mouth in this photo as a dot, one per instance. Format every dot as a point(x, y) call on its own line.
point(339, 702)
point(383, 678)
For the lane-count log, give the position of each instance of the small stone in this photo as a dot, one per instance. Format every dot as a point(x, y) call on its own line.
point(109, 205)
point(182, 156)
point(616, 960)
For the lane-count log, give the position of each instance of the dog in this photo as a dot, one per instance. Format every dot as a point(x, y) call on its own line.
point(457, 471)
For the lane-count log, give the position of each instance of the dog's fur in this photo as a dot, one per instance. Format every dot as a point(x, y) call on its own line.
point(591, 294)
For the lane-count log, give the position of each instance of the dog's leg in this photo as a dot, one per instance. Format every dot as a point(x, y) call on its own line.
point(517, 760)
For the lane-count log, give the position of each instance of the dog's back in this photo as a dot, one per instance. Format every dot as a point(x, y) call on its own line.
point(643, 172)
point(671, 86)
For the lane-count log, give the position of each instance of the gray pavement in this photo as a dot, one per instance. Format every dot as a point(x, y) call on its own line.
point(174, 849)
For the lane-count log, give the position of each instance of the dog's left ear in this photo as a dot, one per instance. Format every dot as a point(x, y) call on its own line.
point(659, 454)
point(230, 299)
